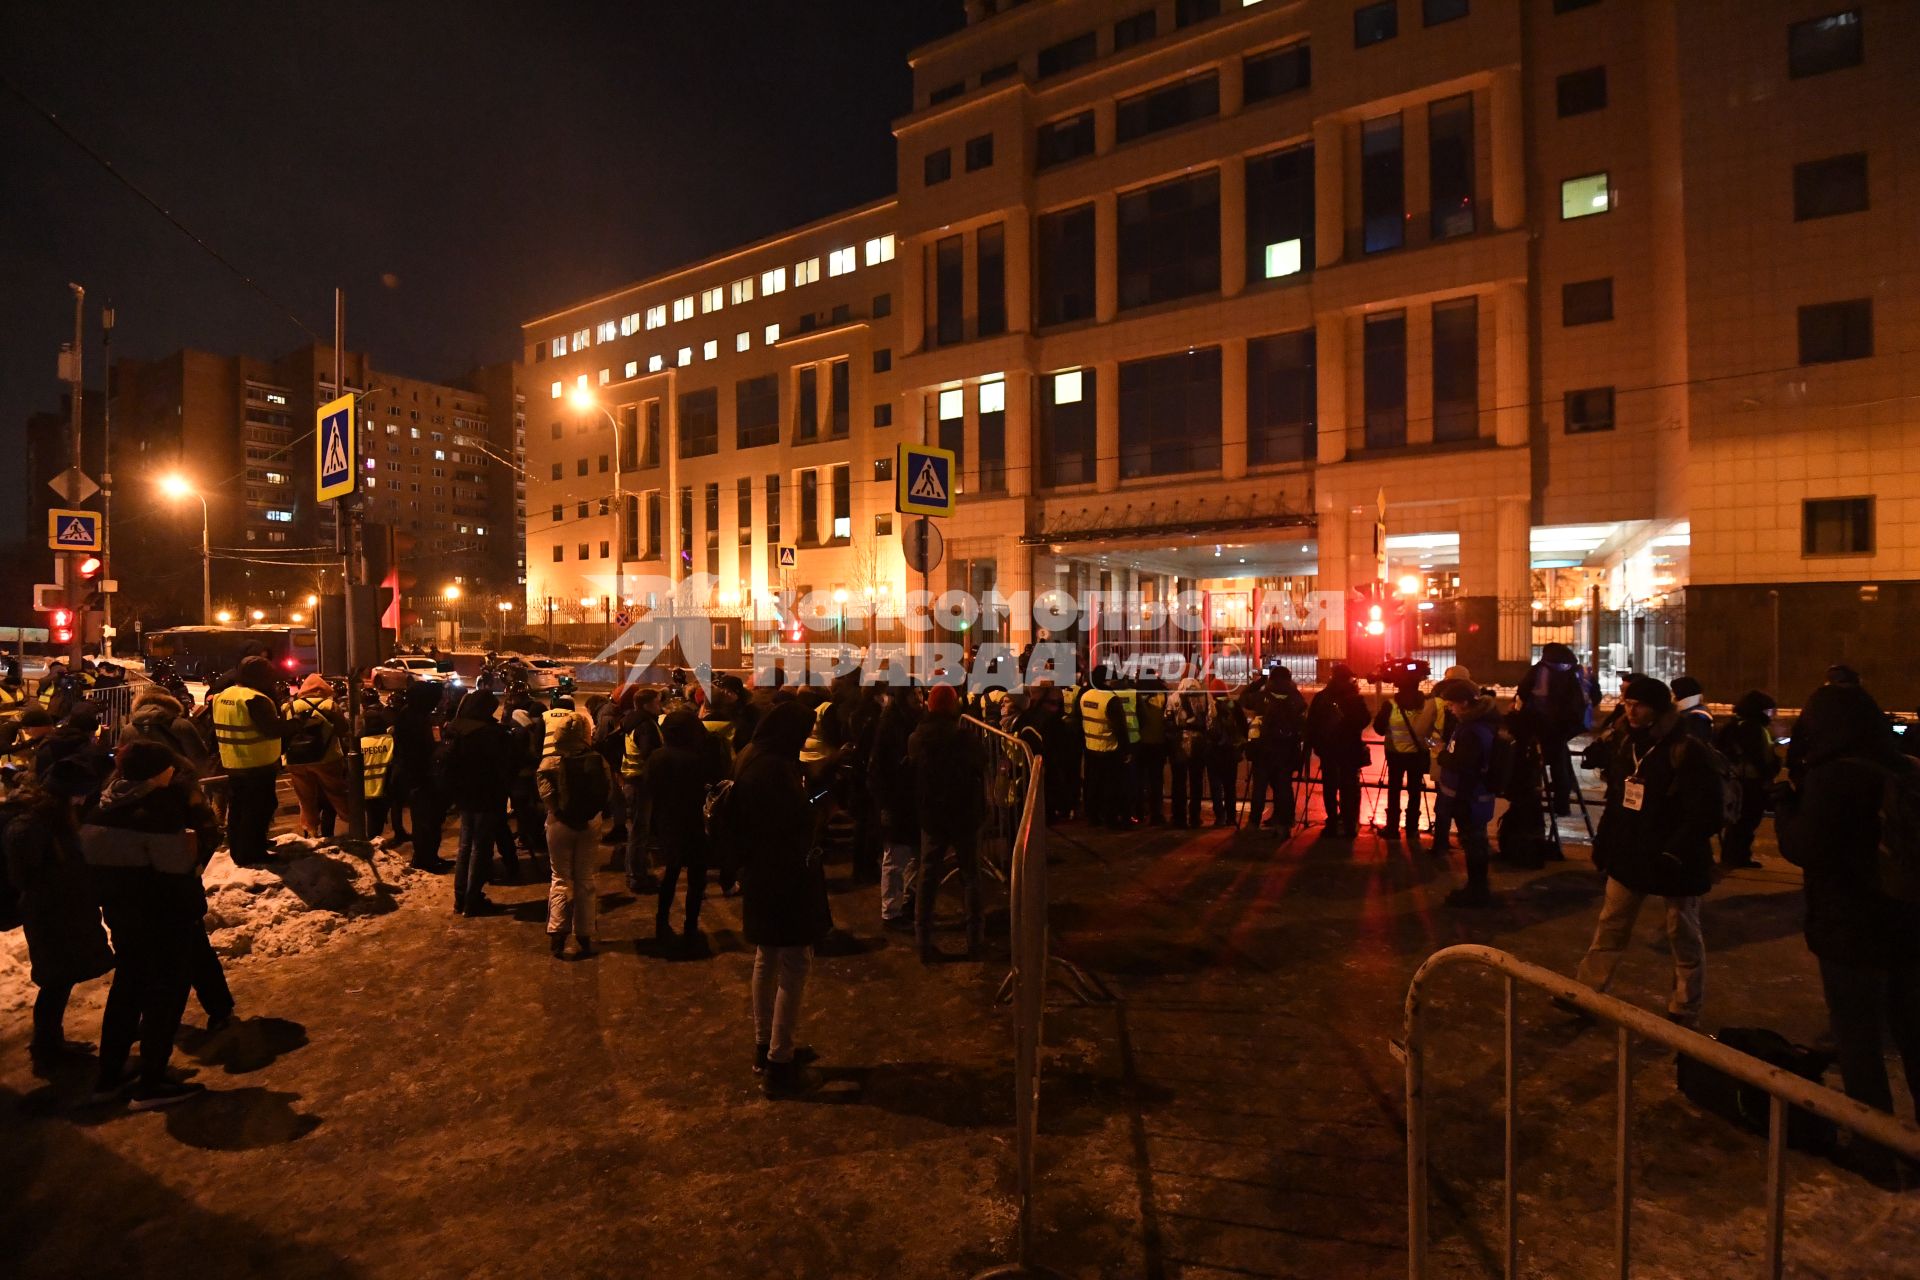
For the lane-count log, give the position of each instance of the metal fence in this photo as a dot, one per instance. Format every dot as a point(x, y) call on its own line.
point(1783, 1088)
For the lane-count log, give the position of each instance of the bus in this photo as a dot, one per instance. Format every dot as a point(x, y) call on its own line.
point(202, 653)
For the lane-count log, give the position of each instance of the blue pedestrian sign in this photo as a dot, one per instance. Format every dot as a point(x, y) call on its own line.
point(335, 444)
point(73, 530)
point(924, 480)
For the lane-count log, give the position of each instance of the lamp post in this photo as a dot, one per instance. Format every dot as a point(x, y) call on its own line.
point(452, 596)
point(176, 486)
point(504, 607)
point(584, 401)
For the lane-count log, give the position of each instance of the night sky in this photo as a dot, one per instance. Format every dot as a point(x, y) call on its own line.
point(457, 168)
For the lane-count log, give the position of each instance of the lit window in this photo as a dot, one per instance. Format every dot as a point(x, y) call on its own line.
point(1585, 196)
point(1066, 387)
point(274, 397)
point(580, 381)
point(656, 363)
point(807, 272)
point(606, 376)
point(1283, 259)
point(840, 261)
point(740, 291)
point(774, 281)
point(953, 404)
point(772, 334)
point(582, 339)
point(560, 346)
point(656, 317)
point(879, 250)
point(481, 530)
point(683, 308)
point(632, 369)
point(439, 455)
point(556, 391)
point(993, 397)
point(710, 350)
point(742, 340)
point(606, 331)
point(280, 517)
point(712, 300)
point(686, 357)
point(373, 482)
point(629, 325)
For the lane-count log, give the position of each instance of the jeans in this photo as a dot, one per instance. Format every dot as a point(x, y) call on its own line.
point(934, 846)
point(252, 798)
point(1858, 1000)
point(1560, 779)
point(1223, 781)
point(208, 977)
point(1189, 785)
point(529, 819)
point(896, 879)
point(479, 828)
point(639, 860)
point(1736, 842)
point(1473, 841)
point(1340, 795)
point(1275, 774)
point(1615, 929)
point(571, 898)
point(694, 859)
point(153, 928)
point(1442, 820)
point(1404, 772)
point(779, 981)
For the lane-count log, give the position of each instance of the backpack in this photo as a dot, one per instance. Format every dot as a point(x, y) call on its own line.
point(1899, 853)
point(1747, 1106)
point(308, 744)
point(1732, 793)
point(1569, 710)
point(583, 789)
point(717, 814)
point(1502, 754)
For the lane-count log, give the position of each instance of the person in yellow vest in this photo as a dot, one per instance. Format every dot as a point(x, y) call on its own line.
point(316, 761)
point(1439, 729)
point(18, 764)
point(639, 731)
point(376, 760)
point(1400, 723)
point(13, 691)
point(1109, 724)
point(247, 730)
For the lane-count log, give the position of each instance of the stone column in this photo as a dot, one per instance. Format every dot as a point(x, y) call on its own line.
point(1233, 408)
point(1106, 374)
point(1507, 147)
point(1019, 270)
point(1021, 453)
point(1329, 191)
point(912, 256)
point(1106, 257)
point(1511, 417)
point(1330, 380)
point(1332, 582)
point(1513, 575)
point(1233, 226)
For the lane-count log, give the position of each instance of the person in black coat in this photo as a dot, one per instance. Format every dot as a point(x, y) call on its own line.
point(1275, 715)
point(1335, 724)
point(1867, 943)
point(65, 943)
point(478, 772)
point(949, 798)
point(1747, 742)
point(688, 761)
point(411, 779)
point(783, 887)
point(1656, 839)
point(890, 783)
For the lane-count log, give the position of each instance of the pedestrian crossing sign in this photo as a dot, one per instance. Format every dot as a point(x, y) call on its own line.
point(924, 480)
point(334, 443)
point(73, 530)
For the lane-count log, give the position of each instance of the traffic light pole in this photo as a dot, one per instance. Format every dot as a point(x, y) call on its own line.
point(343, 531)
point(75, 590)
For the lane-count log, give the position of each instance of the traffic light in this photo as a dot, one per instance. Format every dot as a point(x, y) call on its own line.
point(60, 626)
point(88, 568)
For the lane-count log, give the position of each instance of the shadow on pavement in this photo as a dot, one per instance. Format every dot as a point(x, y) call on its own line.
point(248, 1045)
point(240, 1120)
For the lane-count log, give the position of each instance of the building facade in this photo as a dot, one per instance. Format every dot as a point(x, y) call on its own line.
point(1571, 319)
point(441, 489)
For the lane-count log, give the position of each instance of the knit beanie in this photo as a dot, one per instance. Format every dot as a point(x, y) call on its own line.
point(139, 761)
point(1650, 692)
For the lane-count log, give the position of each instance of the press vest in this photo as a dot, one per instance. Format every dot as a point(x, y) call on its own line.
point(1093, 720)
point(376, 755)
point(242, 745)
point(1400, 739)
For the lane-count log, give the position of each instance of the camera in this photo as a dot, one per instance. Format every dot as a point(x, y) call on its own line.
point(1395, 670)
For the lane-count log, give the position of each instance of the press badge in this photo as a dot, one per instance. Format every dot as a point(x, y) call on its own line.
point(1634, 794)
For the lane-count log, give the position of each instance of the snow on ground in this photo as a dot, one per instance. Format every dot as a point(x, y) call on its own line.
point(311, 894)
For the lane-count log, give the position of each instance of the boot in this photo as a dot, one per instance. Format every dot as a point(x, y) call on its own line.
point(586, 945)
point(557, 943)
point(788, 1079)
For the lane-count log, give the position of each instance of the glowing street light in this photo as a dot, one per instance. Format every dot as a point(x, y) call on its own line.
point(177, 488)
point(223, 617)
point(1410, 585)
point(451, 593)
point(296, 617)
point(312, 601)
point(258, 615)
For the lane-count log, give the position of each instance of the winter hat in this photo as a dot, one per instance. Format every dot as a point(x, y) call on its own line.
point(1456, 673)
point(1753, 704)
point(1687, 687)
point(943, 700)
point(315, 687)
point(140, 761)
point(69, 779)
point(36, 718)
point(1455, 689)
point(1842, 674)
point(1651, 692)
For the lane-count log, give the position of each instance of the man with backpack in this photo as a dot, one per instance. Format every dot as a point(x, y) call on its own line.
point(1664, 804)
point(679, 776)
point(1690, 700)
point(575, 786)
point(1746, 741)
point(1275, 715)
point(1852, 823)
point(316, 765)
point(1555, 697)
point(1473, 766)
point(1335, 724)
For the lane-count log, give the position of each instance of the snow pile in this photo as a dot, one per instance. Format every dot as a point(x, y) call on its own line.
point(308, 895)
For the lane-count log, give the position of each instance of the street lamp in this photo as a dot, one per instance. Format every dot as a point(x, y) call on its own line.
point(175, 487)
point(223, 617)
point(584, 401)
point(258, 615)
point(505, 607)
point(451, 594)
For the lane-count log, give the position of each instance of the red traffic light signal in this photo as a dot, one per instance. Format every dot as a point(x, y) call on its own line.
point(89, 567)
point(60, 619)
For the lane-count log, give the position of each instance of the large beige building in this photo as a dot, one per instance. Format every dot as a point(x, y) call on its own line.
point(1610, 301)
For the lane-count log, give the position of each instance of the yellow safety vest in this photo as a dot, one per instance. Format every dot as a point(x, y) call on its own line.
point(1070, 707)
point(1093, 720)
point(1400, 739)
point(242, 745)
point(11, 699)
point(376, 754)
point(1151, 713)
point(632, 763)
point(723, 729)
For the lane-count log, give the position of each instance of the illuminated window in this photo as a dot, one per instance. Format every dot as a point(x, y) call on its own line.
point(580, 381)
point(686, 357)
point(1283, 259)
point(840, 261)
point(606, 376)
point(742, 340)
point(632, 369)
point(656, 317)
point(993, 397)
point(560, 346)
point(710, 350)
point(656, 363)
point(582, 339)
point(713, 299)
point(740, 291)
point(280, 517)
point(556, 391)
point(629, 325)
point(953, 404)
point(879, 250)
point(683, 308)
point(774, 281)
point(1585, 196)
point(772, 335)
point(1066, 387)
point(606, 331)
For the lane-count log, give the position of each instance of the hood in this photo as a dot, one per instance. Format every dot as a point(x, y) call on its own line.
point(784, 730)
point(1456, 673)
point(1840, 720)
point(569, 735)
point(159, 701)
point(478, 704)
point(1481, 708)
point(682, 729)
point(1753, 705)
point(122, 794)
point(1558, 655)
point(156, 713)
point(423, 695)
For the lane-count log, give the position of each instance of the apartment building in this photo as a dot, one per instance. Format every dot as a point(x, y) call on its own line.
point(1602, 307)
point(441, 487)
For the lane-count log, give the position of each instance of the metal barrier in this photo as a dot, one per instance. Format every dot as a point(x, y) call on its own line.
point(1782, 1087)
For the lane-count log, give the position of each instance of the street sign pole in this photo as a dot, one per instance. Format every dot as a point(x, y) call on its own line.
point(343, 534)
point(925, 479)
point(78, 644)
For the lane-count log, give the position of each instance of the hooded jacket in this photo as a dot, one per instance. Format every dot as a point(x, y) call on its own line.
point(413, 735)
point(161, 718)
point(1830, 827)
point(58, 907)
point(479, 757)
point(1664, 847)
point(1466, 757)
point(948, 783)
point(1336, 722)
point(573, 778)
point(687, 762)
point(889, 776)
point(783, 889)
